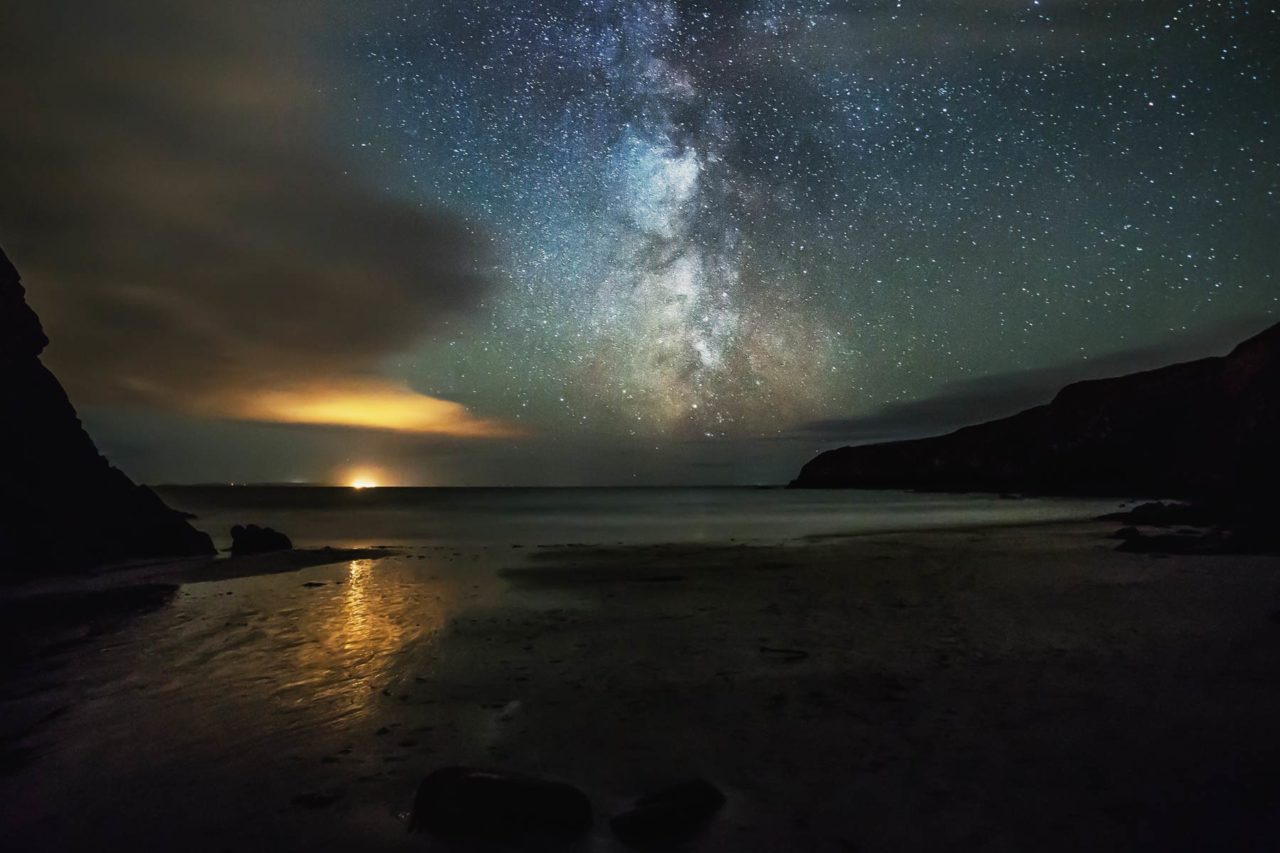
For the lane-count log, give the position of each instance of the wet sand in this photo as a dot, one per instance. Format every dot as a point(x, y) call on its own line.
point(1002, 689)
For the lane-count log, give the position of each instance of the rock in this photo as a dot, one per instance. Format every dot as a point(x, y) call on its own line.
point(1199, 429)
point(252, 539)
point(1228, 524)
point(1238, 538)
point(470, 803)
point(1127, 533)
point(1161, 514)
point(668, 815)
point(65, 506)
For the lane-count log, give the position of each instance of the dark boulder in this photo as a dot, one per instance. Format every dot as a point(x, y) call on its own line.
point(64, 505)
point(485, 804)
point(1232, 525)
point(669, 815)
point(1231, 538)
point(252, 539)
point(1161, 514)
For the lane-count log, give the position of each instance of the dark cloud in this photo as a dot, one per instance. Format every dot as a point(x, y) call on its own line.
point(175, 186)
point(959, 404)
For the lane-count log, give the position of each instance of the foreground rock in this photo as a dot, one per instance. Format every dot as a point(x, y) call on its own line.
point(64, 505)
point(1167, 514)
point(466, 802)
point(1219, 527)
point(252, 539)
point(1203, 428)
point(669, 815)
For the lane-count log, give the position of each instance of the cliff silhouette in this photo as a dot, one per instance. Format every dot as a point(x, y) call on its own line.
point(62, 505)
point(1205, 429)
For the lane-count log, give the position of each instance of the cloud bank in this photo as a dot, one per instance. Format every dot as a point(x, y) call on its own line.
point(176, 187)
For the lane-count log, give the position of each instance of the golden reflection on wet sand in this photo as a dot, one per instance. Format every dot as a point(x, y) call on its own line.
point(356, 629)
point(357, 636)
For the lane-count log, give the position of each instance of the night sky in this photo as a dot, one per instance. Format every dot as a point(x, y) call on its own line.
point(622, 241)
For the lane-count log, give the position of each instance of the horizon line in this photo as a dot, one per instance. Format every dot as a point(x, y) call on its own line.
point(348, 487)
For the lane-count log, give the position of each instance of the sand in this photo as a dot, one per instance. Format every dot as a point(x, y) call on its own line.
point(999, 689)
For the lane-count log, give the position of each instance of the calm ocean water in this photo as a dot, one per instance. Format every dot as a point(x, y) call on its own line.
point(343, 517)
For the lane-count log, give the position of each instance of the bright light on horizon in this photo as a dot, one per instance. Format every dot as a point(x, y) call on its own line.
point(363, 483)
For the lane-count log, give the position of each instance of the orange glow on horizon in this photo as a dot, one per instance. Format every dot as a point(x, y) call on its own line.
point(364, 476)
point(372, 404)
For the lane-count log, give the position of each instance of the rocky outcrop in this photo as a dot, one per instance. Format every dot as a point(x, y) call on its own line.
point(252, 539)
point(62, 505)
point(1224, 526)
point(1204, 428)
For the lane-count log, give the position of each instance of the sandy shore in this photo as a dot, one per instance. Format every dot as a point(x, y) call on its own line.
point(1002, 689)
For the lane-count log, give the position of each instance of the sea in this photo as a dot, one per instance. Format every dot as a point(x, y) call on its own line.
point(349, 517)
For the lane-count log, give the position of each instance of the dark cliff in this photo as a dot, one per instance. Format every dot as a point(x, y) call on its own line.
point(1199, 429)
point(62, 505)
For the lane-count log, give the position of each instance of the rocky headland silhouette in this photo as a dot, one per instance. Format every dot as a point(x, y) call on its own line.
point(1203, 429)
point(62, 504)
point(1205, 432)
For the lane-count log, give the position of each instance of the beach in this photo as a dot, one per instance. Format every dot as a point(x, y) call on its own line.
point(1003, 687)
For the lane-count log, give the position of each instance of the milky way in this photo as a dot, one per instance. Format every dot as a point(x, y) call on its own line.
point(729, 217)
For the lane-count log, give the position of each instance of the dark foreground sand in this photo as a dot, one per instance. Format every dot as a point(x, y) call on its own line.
point(1014, 689)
